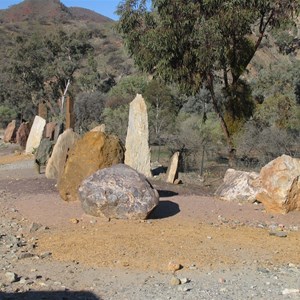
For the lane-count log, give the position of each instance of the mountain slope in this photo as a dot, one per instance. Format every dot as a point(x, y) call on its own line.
point(48, 10)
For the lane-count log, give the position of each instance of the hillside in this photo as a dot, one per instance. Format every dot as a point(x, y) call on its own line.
point(48, 10)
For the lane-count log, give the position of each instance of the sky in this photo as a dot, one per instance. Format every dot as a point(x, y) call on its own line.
point(104, 7)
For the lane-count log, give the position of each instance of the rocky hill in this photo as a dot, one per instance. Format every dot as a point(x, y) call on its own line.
point(48, 10)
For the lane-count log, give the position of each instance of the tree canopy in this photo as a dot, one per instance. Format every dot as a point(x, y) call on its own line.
point(200, 43)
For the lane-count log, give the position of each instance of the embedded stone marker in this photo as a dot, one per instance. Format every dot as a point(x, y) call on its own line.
point(50, 130)
point(10, 132)
point(70, 116)
point(118, 192)
point(42, 110)
point(280, 183)
point(94, 151)
point(36, 134)
point(57, 161)
point(22, 134)
point(239, 186)
point(137, 153)
point(172, 169)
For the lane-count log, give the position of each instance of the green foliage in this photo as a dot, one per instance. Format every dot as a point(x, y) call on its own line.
point(116, 120)
point(6, 115)
point(88, 110)
point(126, 90)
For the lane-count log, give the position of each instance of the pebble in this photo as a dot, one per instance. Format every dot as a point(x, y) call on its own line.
point(174, 266)
point(11, 277)
point(175, 281)
point(290, 291)
point(278, 233)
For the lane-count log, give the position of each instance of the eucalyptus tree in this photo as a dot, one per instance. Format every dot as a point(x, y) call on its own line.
point(199, 43)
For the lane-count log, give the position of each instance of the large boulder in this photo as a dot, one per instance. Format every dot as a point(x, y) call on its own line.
point(118, 192)
point(238, 186)
point(10, 132)
point(22, 134)
point(57, 161)
point(280, 181)
point(35, 135)
point(94, 151)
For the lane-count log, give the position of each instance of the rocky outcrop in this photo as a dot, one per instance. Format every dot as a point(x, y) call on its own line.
point(35, 135)
point(57, 161)
point(94, 151)
point(172, 169)
point(10, 132)
point(238, 186)
point(137, 153)
point(280, 182)
point(118, 192)
point(22, 134)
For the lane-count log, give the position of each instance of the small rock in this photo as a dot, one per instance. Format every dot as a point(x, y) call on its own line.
point(173, 266)
point(34, 227)
point(278, 233)
point(183, 289)
point(290, 291)
point(184, 280)
point(222, 280)
point(175, 281)
point(45, 254)
point(25, 255)
point(11, 277)
point(74, 221)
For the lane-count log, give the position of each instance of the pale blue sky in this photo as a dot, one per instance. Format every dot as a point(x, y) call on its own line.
point(104, 7)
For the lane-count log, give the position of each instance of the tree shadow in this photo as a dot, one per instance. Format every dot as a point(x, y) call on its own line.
point(164, 209)
point(47, 295)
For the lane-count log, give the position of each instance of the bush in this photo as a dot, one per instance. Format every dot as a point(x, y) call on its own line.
point(88, 110)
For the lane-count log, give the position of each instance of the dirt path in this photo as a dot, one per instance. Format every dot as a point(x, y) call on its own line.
point(199, 232)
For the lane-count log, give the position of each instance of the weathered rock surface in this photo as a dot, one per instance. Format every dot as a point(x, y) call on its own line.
point(100, 128)
point(238, 186)
point(22, 134)
point(94, 151)
point(118, 192)
point(137, 153)
point(50, 130)
point(280, 181)
point(172, 169)
point(10, 132)
point(36, 134)
point(57, 161)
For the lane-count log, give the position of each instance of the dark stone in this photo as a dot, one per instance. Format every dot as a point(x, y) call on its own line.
point(118, 192)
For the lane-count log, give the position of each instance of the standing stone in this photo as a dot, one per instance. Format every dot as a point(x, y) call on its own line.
point(42, 110)
point(70, 117)
point(118, 192)
point(280, 181)
point(57, 161)
point(22, 134)
point(238, 186)
point(10, 132)
point(172, 169)
point(137, 153)
point(94, 151)
point(50, 130)
point(59, 129)
point(36, 134)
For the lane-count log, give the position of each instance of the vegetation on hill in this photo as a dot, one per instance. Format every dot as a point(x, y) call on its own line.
point(213, 79)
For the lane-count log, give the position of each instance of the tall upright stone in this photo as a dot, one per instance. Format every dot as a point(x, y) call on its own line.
point(70, 117)
point(42, 110)
point(57, 161)
point(10, 132)
point(36, 134)
point(22, 134)
point(137, 153)
point(173, 168)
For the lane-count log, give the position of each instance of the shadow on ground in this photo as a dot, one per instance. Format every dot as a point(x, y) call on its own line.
point(164, 193)
point(164, 209)
point(47, 295)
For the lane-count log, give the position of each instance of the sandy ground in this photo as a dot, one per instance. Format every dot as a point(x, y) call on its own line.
point(189, 227)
